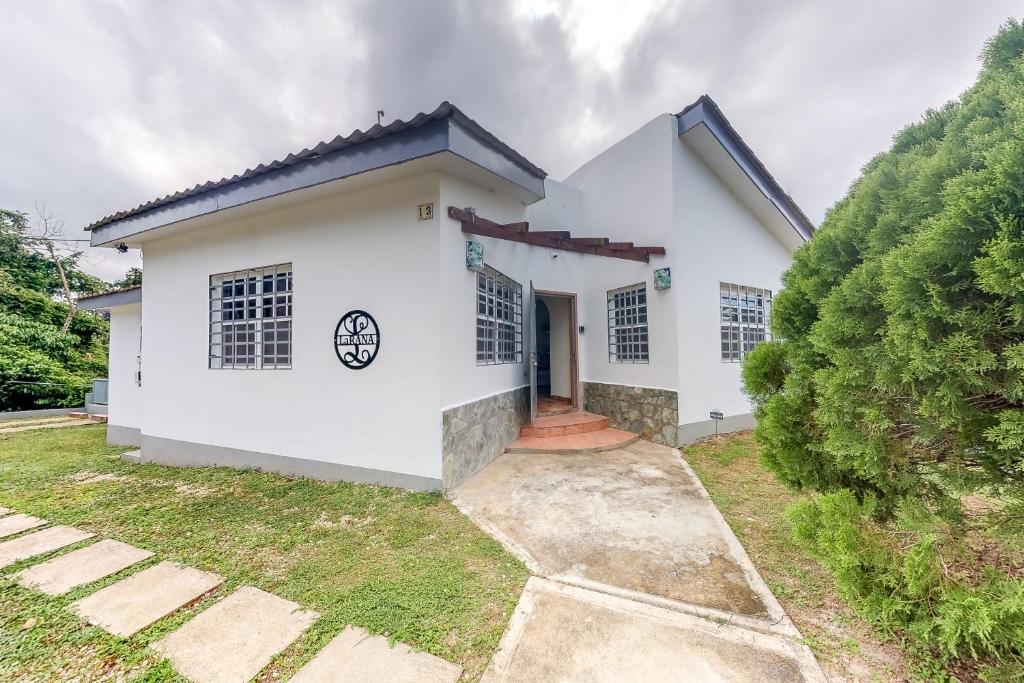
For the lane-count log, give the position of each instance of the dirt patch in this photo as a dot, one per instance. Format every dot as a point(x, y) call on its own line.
point(342, 522)
point(193, 490)
point(94, 477)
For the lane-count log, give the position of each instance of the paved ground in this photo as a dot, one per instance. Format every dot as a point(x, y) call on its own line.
point(564, 633)
point(631, 527)
point(634, 518)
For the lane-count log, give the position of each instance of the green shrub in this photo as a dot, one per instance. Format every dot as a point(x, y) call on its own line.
point(902, 586)
point(896, 384)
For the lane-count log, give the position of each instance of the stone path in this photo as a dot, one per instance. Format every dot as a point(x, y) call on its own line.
point(356, 655)
point(232, 640)
point(50, 424)
point(15, 524)
point(40, 542)
point(128, 606)
point(77, 568)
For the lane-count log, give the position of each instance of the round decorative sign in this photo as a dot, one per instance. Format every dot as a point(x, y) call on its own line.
point(356, 339)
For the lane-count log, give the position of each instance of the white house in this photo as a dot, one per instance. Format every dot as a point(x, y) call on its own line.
point(368, 309)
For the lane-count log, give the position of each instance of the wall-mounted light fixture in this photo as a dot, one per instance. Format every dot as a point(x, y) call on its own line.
point(122, 248)
point(474, 255)
point(662, 278)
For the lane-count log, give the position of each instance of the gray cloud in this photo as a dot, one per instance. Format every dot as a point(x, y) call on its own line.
point(109, 104)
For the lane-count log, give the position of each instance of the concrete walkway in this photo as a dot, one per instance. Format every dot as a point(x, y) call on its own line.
point(232, 640)
point(645, 579)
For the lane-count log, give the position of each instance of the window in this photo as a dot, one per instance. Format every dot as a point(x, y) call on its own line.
point(627, 325)
point(251, 318)
point(745, 320)
point(499, 319)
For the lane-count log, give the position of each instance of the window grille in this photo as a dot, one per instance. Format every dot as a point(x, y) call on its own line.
point(499, 318)
point(746, 313)
point(627, 325)
point(251, 318)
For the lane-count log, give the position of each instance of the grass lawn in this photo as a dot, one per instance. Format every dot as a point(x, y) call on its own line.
point(401, 564)
point(754, 503)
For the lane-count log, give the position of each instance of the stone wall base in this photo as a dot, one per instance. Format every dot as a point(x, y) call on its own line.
point(474, 434)
point(651, 413)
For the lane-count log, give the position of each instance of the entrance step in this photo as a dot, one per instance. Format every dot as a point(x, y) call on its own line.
point(547, 406)
point(587, 442)
point(566, 424)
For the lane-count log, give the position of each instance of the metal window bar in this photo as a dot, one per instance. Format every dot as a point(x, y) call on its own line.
point(251, 319)
point(499, 318)
point(745, 319)
point(628, 340)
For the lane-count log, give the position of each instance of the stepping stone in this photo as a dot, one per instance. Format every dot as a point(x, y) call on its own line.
point(15, 524)
point(355, 655)
point(236, 638)
point(77, 568)
point(132, 604)
point(40, 542)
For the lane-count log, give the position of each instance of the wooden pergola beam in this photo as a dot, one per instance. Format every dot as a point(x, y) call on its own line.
point(473, 224)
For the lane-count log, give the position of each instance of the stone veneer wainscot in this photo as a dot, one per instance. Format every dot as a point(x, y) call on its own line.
point(476, 433)
point(651, 413)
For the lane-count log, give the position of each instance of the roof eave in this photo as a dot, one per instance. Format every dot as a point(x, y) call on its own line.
point(106, 300)
point(705, 111)
point(454, 132)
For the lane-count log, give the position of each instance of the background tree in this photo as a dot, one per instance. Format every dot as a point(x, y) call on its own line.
point(48, 355)
point(132, 278)
point(897, 383)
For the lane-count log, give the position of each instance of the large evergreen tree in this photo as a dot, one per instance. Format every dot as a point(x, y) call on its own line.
point(895, 386)
point(901, 323)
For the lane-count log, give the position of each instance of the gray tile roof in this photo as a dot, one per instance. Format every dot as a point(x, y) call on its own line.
point(444, 110)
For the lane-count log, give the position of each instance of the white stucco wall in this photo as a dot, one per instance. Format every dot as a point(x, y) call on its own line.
point(124, 395)
point(720, 240)
point(359, 250)
point(561, 208)
point(590, 277)
point(627, 190)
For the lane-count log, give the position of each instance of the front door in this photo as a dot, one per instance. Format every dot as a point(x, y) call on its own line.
point(531, 356)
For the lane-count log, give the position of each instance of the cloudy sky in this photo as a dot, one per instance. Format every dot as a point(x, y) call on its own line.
point(107, 104)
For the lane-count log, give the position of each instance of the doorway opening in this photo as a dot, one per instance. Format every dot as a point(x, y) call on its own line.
point(556, 348)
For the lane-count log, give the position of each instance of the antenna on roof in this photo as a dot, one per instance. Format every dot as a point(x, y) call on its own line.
point(380, 115)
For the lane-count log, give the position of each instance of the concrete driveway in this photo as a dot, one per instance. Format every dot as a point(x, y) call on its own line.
point(631, 547)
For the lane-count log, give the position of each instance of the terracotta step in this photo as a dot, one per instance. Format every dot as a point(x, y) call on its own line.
point(565, 424)
point(588, 442)
point(547, 406)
